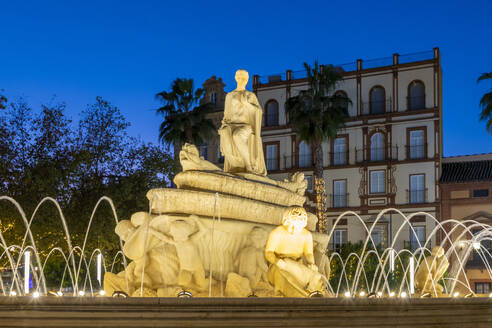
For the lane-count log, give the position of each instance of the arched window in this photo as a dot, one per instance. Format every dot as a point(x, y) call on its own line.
point(342, 94)
point(377, 100)
point(304, 155)
point(377, 147)
point(271, 113)
point(416, 95)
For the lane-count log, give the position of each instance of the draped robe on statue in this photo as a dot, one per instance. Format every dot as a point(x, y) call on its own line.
point(240, 134)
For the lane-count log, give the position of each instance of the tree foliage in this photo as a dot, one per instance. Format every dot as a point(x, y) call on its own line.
point(486, 103)
point(185, 119)
point(45, 155)
point(317, 114)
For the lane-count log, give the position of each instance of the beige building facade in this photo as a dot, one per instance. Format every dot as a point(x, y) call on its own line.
point(388, 155)
point(466, 195)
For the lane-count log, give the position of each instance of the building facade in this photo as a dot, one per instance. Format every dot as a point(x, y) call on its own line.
point(466, 195)
point(388, 155)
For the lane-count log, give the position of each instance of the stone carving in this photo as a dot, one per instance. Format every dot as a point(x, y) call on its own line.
point(430, 271)
point(208, 236)
point(191, 272)
point(289, 250)
point(270, 191)
point(251, 260)
point(321, 259)
point(240, 133)
point(191, 160)
point(201, 203)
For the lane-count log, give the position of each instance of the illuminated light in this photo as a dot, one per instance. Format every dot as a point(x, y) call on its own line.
point(403, 295)
point(120, 294)
point(27, 263)
point(35, 294)
point(476, 245)
point(456, 294)
point(490, 295)
point(362, 294)
point(59, 293)
point(412, 275)
point(81, 293)
point(315, 294)
point(13, 293)
point(102, 292)
point(380, 294)
point(391, 294)
point(347, 294)
point(184, 294)
point(99, 262)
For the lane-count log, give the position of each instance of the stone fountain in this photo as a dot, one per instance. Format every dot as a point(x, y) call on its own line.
point(232, 232)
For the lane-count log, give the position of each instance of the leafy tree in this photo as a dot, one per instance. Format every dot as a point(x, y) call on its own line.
point(185, 118)
point(44, 156)
point(317, 115)
point(486, 103)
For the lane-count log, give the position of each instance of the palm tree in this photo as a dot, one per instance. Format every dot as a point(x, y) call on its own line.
point(486, 104)
point(317, 115)
point(185, 119)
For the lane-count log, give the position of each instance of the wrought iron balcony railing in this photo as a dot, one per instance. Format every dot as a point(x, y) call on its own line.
point(376, 154)
point(417, 196)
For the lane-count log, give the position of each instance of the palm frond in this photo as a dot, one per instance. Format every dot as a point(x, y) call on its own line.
point(484, 76)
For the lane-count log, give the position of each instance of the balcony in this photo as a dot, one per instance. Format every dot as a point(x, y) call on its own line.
point(376, 154)
point(339, 200)
point(417, 196)
point(416, 151)
point(339, 158)
point(415, 103)
point(295, 162)
point(377, 107)
point(272, 164)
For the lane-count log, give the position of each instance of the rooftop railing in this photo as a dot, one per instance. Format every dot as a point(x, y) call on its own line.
point(353, 66)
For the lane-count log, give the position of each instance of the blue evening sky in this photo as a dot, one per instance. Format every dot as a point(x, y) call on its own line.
point(127, 51)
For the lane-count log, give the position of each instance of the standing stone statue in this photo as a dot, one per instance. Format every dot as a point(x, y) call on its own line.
point(240, 133)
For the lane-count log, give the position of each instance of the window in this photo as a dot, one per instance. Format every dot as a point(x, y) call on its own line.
point(377, 147)
point(272, 157)
point(309, 180)
point(271, 113)
point(213, 97)
point(345, 102)
point(482, 287)
point(304, 155)
point(339, 193)
point(203, 151)
point(416, 95)
point(377, 182)
point(377, 104)
point(417, 237)
point(340, 151)
point(417, 146)
point(379, 235)
point(481, 193)
point(339, 239)
point(417, 189)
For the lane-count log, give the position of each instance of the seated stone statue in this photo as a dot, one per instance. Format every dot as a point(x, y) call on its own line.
point(430, 271)
point(289, 250)
point(240, 133)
